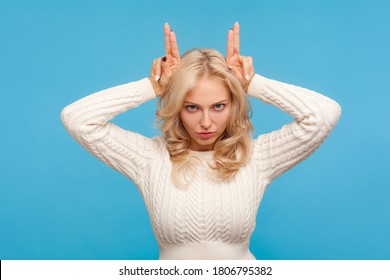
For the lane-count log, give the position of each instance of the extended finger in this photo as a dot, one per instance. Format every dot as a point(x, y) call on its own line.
point(230, 45)
point(173, 45)
point(167, 31)
point(236, 37)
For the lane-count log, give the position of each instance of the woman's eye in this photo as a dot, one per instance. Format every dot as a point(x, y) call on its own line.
point(191, 107)
point(219, 107)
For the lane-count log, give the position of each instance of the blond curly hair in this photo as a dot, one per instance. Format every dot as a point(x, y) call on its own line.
point(233, 148)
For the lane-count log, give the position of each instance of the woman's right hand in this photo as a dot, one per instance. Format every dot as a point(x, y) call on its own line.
point(241, 66)
point(163, 68)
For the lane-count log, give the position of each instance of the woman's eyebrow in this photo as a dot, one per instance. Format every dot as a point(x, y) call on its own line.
point(190, 102)
point(225, 100)
point(193, 103)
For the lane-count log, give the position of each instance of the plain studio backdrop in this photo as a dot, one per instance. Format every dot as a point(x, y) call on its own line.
point(59, 202)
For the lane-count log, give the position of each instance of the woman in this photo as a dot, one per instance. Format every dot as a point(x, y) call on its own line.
point(203, 180)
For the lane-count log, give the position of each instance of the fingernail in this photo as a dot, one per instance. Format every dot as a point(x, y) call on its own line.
point(247, 77)
point(171, 30)
point(164, 58)
point(157, 77)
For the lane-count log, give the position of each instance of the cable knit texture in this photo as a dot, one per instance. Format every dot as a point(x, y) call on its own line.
point(211, 219)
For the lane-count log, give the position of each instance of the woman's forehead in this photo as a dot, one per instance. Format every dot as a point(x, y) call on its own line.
point(208, 91)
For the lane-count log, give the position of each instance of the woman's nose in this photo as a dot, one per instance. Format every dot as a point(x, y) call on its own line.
point(205, 121)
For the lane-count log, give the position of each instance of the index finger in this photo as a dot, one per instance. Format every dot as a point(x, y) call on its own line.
point(173, 45)
point(167, 30)
point(237, 37)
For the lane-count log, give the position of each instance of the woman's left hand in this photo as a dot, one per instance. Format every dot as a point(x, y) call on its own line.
point(242, 66)
point(163, 68)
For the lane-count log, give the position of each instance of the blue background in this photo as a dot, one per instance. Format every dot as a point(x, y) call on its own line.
point(59, 202)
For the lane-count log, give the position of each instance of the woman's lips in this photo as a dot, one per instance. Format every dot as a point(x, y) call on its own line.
point(206, 135)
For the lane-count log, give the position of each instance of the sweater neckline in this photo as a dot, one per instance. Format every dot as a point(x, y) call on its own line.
point(204, 154)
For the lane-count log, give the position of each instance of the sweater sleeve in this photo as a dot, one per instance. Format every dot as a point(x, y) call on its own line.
point(315, 116)
point(87, 121)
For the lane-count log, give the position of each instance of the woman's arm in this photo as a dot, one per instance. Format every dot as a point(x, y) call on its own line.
point(87, 121)
point(315, 116)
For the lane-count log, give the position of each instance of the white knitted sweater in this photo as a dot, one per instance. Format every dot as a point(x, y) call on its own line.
point(211, 219)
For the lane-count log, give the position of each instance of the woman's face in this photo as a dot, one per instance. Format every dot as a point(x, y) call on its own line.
point(205, 113)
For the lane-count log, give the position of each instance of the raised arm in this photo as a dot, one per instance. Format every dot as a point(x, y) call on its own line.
point(88, 119)
point(315, 115)
point(88, 122)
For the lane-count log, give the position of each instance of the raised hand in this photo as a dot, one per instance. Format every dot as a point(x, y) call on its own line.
point(163, 68)
point(242, 66)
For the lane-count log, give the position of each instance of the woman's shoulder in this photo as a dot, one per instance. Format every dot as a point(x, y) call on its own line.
point(159, 145)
